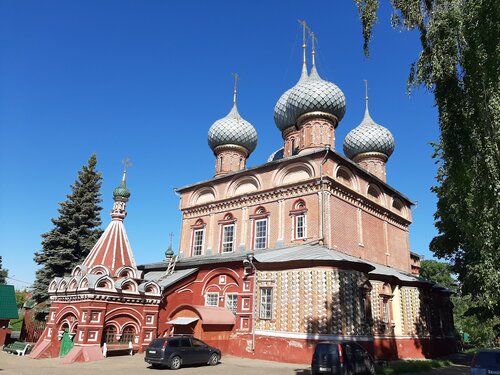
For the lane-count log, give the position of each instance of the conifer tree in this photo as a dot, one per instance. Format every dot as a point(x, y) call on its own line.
point(75, 231)
point(3, 273)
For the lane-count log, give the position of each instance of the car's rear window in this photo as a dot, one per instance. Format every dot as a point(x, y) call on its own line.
point(488, 358)
point(157, 343)
point(322, 349)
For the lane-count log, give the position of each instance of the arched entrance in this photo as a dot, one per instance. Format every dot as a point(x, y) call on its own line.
point(66, 340)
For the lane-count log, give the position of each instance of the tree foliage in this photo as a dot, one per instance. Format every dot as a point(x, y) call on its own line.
point(460, 64)
point(75, 231)
point(3, 273)
point(439, 273)
point(21, 297)
point(481, 331)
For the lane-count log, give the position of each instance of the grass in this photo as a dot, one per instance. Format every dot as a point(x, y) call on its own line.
point(403, 367)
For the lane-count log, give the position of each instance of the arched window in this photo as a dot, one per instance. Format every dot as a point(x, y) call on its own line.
point(398, 206)
point(53, 285)
point(72, 285)
point(227, 233)
point(365, 302)
point(105, 284)
point(299, 220)
point(109, 334)
point(129, 286)
point(128, 335)
point(374, 193)
point(260, 228)
point(344, 177)
point(152, 289)
point(386, 308)
point(198, 238)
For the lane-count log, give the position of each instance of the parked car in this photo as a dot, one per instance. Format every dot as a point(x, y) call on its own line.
point(177, 351)
point(486, 362)
point(341, 358)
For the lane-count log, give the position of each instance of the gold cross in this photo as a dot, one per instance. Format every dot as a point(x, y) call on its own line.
point(126, 164)
point(236, 79)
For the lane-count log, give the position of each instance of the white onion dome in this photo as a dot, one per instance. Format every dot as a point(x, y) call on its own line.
point(315, 95)
point(282, 117)
point(232, 130)
point(368, 136)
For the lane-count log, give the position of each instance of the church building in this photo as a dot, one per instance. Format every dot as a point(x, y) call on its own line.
point(311, 245)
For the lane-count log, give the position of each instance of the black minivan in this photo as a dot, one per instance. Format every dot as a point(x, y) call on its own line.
point(176, 351)
point(341, 358)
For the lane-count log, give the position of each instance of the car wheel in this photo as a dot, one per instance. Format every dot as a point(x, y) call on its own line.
point(214, 359)
point(175, 363)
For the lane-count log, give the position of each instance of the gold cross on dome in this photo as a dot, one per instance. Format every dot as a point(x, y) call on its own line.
point(236, 79)
point(126, 164)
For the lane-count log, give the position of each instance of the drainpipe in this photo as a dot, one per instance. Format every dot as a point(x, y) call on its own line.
point(249, 262)
point(322, 234)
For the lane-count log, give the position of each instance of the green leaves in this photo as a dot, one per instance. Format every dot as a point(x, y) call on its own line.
point(460, 64)
point(367, 10)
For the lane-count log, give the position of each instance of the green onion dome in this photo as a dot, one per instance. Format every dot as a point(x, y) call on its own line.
point(121, 191)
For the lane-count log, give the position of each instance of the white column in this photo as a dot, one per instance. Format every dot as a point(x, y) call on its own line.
point(386, 242)
point(210, 241)
point(281, 221)
point(396, 311)
point(360, 227)
point(244, 225)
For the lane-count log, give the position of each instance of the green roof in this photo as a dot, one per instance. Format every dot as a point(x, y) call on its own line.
point(8, 307)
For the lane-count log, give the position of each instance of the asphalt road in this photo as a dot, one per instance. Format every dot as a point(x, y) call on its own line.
point(10, 364)
point(123, 365)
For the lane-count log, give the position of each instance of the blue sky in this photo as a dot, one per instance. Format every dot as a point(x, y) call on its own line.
point(145, 80)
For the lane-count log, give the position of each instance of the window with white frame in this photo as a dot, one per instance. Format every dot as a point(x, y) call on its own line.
point(299, 220)
point(198, 237)
point(228, 238)
point(232, 302)
point(212, 299)
point(300, 226)
point(386, 315)
point(260, 241)
point(266, 303)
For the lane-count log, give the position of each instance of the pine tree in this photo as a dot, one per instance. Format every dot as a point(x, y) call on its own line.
point(75, 231)
point(3, 273)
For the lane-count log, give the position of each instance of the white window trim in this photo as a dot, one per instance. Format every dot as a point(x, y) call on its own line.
point(193, 241)
point(295, 227)
point(221, 240)
point(212, 294)
point(227, 299)
point(261, 304)
point(386, 315)
point(266, 245)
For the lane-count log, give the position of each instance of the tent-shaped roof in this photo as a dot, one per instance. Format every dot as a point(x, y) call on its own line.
point(8, 306)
